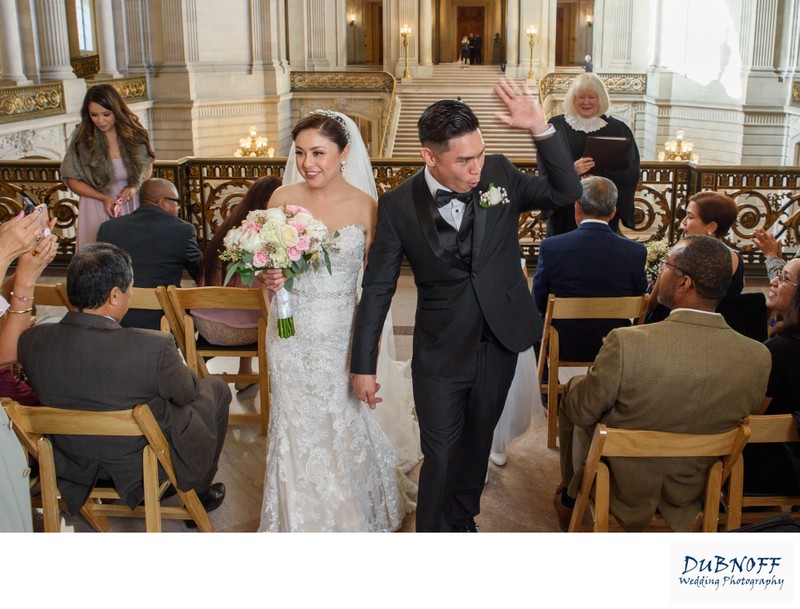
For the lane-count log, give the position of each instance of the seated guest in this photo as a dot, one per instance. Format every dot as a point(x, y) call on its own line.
point(29, 242)
point(592, 261)
point(160, 244)
point(771, 248)
point(689, 374)
point(231, 326)
point(26, 240)
point(89, 362)
point(712, 214)
point(768, 468)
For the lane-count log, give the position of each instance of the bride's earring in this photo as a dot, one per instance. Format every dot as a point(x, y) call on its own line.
point(344, 166)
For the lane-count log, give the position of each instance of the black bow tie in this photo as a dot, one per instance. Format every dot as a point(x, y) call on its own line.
point(445, 197)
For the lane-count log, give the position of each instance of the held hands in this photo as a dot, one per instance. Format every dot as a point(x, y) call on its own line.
point(524, 112)
point(767, 243)
point(365, 388)
point(583, 165)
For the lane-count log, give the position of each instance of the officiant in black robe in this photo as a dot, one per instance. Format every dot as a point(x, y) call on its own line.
point(585, 108)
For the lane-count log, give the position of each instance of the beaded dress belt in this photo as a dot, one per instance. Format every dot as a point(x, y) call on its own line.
point(324, 295)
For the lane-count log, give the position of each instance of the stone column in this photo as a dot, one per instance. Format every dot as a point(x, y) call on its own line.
point(512, 34)
point(11, 69)
point(51, 20)
point(104, 17)
point(425, 33)
point(138, 32)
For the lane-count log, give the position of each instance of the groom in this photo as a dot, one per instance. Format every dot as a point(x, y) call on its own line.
point(474, 310)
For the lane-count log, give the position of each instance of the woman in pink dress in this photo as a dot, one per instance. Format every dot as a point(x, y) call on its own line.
point(107, 159)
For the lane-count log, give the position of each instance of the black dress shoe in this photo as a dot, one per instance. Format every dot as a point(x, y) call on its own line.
point(213, 497)
point(564, 513)
point(465, 527)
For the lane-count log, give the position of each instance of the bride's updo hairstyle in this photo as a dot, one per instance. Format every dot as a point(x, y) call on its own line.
point(327, 123)
point(587, 81)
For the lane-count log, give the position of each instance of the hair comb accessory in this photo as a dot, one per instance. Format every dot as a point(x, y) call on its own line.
point(335, 117)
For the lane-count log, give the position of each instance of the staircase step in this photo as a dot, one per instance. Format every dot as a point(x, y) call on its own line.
point(475, 86)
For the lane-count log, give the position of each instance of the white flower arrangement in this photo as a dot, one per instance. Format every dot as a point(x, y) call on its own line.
point(495, 195)
point(657, 252)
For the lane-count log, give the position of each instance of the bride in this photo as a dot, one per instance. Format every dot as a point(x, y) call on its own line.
point(330, 467)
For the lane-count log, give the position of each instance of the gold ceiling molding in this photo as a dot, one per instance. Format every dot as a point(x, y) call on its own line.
point(35, 101)
point(131, 89)
point(560, 82)
point(369, 82)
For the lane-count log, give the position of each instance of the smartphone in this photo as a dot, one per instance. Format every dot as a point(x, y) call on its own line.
point(44, 218)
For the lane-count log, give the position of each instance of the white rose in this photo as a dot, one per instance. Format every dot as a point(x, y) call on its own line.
point(250, 241)
point(494, 196)
point(289, 235)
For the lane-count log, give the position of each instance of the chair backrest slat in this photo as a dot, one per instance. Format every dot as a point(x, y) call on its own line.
point(46, 420)
point(641, 443)
point(621, 307)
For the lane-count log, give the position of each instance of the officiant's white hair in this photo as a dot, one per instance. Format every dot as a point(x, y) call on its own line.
point(583, 82)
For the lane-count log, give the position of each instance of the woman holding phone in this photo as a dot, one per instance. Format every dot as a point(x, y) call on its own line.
point(107, 159)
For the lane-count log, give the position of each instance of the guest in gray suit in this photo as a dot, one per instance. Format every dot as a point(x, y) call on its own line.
point(89, 362)
point(160, 244)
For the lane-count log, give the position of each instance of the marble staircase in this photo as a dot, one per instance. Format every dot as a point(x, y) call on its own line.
point(474, 84)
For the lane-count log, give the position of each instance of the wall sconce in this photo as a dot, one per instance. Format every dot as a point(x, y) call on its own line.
point(531, 32)
point(405, 31)
point(352, 19)
point(589, 20)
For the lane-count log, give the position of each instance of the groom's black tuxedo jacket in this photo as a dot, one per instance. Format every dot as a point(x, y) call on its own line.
point(455, 296)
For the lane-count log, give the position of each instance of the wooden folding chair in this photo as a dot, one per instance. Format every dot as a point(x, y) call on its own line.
point(620, 307)
point(152, 299)
point(608, 442)
point(195, 349)
point(32, 423)
point(763, 429)
point(51, 295)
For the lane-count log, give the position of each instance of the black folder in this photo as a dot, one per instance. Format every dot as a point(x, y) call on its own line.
point(606, 152)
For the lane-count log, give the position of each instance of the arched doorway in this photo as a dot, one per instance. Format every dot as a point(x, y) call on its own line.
point(365, 32)
point(574, 23)
point(458, 18)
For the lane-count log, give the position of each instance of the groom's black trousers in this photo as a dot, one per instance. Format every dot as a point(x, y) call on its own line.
point(457, 417)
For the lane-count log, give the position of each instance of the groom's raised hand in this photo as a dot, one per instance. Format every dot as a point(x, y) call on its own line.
point(365, 388)
point(524, 112)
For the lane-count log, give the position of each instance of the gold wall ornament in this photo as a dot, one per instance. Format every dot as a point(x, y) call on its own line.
point(366, 82)
point(85, 66)
point(796, 93)
point(34, 101)
point(131, 89)
point(556, 83)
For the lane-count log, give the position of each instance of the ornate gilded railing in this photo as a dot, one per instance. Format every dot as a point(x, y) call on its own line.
point(767, 197)
point(35, 101)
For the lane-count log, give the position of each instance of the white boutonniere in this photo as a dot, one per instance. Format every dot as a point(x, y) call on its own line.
point(495, 195)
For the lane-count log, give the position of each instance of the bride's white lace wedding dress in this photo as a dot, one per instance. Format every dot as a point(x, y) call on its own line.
point(329, 465)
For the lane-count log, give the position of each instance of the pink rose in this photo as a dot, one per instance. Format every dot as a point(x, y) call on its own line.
point(294, 253)
point(252, 226)
point(303, 244)
point(301, 228)
point(260, 259)
point(294, 209)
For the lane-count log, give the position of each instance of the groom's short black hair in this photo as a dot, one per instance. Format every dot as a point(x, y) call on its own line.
point(443, 121)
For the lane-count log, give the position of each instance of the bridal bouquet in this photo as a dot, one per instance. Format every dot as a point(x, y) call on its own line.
point(287, 238)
